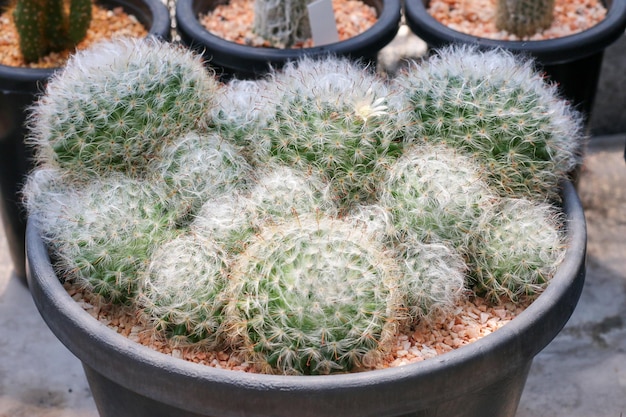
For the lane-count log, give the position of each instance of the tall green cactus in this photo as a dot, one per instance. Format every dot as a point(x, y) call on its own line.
point(44, 26)
point(524, 17)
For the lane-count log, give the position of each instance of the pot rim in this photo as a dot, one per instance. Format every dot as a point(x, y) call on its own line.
point(229, 54)
point(549, 51)
point(510, 347)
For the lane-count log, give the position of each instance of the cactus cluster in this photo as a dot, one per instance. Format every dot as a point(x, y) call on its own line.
point(524, 18)
point(45, 26)
point(302, 219)
point(498, 109)
point(336, 120)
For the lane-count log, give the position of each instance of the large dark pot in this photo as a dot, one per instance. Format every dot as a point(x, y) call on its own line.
point(232, 59)
point(573, 61)
point(19, 87)
point(485, 378)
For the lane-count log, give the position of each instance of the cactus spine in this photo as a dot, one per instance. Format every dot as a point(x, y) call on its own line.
point(282, 23)
point(524, 18)
point(44, 27)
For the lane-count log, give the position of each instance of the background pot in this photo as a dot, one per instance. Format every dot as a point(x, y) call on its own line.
point(19, 88)
point(230, 58)
point(485, 378)
point(572, 61)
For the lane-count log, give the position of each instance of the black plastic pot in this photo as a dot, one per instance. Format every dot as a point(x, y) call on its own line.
point(572, 61)
point(19, 88)
point(232, 59)
point(485, 378)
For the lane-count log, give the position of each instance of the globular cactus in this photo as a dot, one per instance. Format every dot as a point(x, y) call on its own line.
point(313, 296)
point(45, 26)
point(336, 119)
point(433, 278)
point(516, 250)
point(435, 195)
point(277, 194)
point(524, 18)
point(102, 234)
point(116, 105)
point(182, 291)
point(495, 107)
point(282, 23)
point(197, 168)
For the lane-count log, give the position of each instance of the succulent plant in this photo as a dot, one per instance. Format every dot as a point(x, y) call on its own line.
point(497, 108)
point(313, 296)
point(45, 26)
point(335, 119)
point(516, 250)
point(279, 193)
point(433, 278)
point(114, 106)
point(524, 17)
point(103, 234)
point(197, 168)
point(282, 23)
point(182, 292)
point(435, 195)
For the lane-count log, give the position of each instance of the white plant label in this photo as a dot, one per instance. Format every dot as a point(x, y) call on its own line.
point(322, 20)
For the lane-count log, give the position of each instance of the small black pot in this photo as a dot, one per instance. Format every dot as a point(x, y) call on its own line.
point(232, 59)
point(19, 88)
point(484, 378)
point(572, 61)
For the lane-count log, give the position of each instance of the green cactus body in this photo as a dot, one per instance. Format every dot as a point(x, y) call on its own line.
point(282, 23)
point(182, 292)
point(79, 20)
point(44, 26)
point(278, 194)
point(524, 18)
point(516, 250)
point(496, 108)
point(313, 296)
point(113, 108)
point(197, 168)
point(103, 234)
point(332, 118)
point(28, 17)
point(436, 194)
point(55, 27)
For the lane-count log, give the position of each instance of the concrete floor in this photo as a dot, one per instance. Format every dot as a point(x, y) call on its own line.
point(582, 373)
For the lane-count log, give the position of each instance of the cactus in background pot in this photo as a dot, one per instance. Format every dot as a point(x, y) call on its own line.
point(282, 23)
point(114, 107)
point(45, 26)
point(524, 17)
point(499, 110)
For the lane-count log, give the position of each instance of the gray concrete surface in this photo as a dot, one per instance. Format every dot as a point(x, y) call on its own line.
point(582, 373)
